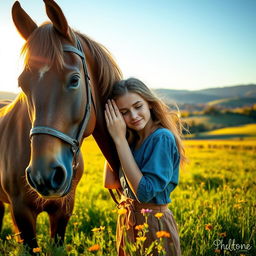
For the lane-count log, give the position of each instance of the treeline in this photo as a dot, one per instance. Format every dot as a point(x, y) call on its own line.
point(193, 126)
point(213, 110)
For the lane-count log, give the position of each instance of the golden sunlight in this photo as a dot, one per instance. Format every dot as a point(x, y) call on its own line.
point(10, 61)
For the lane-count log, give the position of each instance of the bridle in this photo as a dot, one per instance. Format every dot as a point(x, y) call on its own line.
point(76, 142)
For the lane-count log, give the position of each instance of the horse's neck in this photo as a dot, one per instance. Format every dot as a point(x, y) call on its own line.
point(15, 115)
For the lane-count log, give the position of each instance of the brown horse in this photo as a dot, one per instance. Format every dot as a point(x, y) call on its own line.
point(65, 83)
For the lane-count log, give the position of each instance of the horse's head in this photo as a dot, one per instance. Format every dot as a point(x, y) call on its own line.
point(58, 94)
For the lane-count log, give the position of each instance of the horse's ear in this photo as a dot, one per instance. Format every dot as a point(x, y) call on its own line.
point(57, 18)
point(24, 24)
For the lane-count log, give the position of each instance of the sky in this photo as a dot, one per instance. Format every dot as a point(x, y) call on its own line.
point(172, 44)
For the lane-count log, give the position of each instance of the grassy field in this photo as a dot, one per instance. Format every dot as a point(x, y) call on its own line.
point(241, 132)
point(220, 120)
point(214, 205)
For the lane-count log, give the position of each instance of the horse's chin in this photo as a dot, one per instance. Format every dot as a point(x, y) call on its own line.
point(55, 194)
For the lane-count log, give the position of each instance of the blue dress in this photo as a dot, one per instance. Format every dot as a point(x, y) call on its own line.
point(158, 159)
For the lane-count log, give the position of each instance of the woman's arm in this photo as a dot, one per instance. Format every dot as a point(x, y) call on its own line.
point(117, 129)
point(110, 178)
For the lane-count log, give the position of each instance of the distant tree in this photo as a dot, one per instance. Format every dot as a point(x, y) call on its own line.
point(211, 110)
point(194, 127)
point(249, 111)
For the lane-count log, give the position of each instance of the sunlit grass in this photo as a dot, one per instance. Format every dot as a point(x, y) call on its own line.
point(214, 200)
point(248, 129)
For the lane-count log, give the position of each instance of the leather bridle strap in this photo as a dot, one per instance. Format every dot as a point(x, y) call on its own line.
point(73, 142)
point(50, 131)
point(79, 51)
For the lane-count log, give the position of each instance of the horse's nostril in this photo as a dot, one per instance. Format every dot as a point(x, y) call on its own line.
point(58, 177)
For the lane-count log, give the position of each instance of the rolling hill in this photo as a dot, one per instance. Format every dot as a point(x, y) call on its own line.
point(229, 97)
point(7, 96)
point(247, 131)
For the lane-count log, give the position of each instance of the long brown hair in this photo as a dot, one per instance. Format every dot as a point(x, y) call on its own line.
point(161, 114)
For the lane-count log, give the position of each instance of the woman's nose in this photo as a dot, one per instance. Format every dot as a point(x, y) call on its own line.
point(133, 114)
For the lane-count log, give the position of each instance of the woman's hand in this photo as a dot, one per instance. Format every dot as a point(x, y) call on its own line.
point(115, 121)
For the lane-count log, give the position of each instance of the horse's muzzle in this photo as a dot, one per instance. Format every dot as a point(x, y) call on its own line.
point(52, 185)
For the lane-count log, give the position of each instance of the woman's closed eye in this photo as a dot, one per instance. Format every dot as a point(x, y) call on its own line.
point(138, 106)
point(124, 112)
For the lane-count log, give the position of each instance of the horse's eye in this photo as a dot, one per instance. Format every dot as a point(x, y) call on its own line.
point(74, 82)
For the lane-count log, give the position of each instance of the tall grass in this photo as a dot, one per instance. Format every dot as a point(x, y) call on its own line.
point(214, 202)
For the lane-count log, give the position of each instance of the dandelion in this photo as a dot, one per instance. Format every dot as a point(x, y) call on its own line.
point(159, 215)
point(94, 248)
point(75, 223)
point(122, 211)
point(161, 234)
point(224, 234)
point(37, 250)
point(145, 211)
point(208, 227)
point(141, 238)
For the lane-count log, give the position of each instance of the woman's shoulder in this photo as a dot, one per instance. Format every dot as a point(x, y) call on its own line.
point(162, 133)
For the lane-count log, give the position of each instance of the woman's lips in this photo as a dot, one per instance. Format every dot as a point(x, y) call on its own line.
point(136, 122)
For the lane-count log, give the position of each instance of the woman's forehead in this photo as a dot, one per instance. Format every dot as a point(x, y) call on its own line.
point(128, 99)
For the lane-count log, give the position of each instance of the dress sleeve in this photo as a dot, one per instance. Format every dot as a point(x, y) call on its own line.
point(158, 168)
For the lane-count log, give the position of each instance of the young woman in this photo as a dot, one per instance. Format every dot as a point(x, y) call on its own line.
point(147, 138)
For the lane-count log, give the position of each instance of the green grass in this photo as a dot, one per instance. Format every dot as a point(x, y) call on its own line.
point(217, 188)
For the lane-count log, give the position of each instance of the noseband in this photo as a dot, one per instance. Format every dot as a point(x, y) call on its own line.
point(75, 143)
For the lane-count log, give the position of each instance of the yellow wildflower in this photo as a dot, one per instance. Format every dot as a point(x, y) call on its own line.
point(141, 238)
point(208, 227)
point(9, 237)
point(160, 234)
point(75, 223)
point(37, 249)
point(122, 211)
point(94, 248)
point(159, 215)
point(96, 229)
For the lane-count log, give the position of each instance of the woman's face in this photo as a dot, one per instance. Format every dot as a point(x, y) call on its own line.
point(135, 111)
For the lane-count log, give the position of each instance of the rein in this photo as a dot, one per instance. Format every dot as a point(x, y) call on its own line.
point(76, 142)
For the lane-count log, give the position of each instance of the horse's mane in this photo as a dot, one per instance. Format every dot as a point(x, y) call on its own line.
point(44, 46)
point(6, 108)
